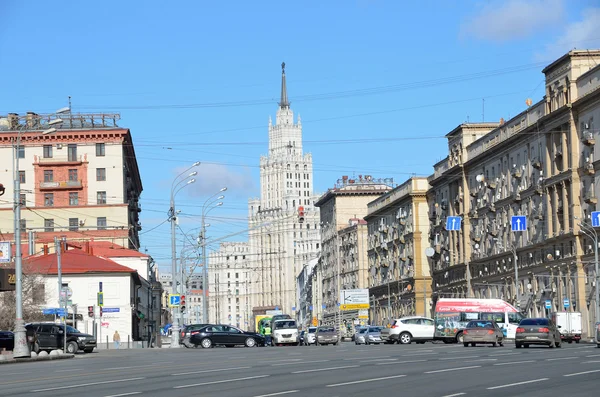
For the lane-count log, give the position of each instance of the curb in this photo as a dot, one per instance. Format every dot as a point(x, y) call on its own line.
point(29, 359)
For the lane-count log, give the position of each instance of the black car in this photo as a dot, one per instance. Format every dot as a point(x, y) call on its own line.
point(226, 335)
point(7, 340)
point(50, 336)
point(189, 330)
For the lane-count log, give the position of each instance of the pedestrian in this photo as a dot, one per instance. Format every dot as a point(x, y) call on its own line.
point(117, 339)
point(267, 332)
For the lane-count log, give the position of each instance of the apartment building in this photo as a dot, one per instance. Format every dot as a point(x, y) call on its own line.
point(399, 278)
point(81, 181)
point(540, 164)
point(342, 263)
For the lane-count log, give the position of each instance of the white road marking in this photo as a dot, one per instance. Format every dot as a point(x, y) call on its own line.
point(455, 395)
point(402, 362)
point(86, 384)
point(365, 381)
point(67, 370)
point(125, 394)
point(235, 358)
point(452, 369)
point(594, 355)
point(517, 383)
point(516, 362)
point(418, 354)
point(458, 358)
point(208, 370)
point(285, 359)
point(324, 369)
point(221, 381)
point(583, 373)
point(299, 362)
point(590, 362)
point(482, 359)
point(279, 393)
point(503, 354)
point(343, 350)
point(364, 358)
point(561, 358)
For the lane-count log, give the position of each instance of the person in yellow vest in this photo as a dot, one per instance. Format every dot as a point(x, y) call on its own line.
point(267, 333)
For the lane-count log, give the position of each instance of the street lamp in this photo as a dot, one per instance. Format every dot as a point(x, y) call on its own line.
point(205, 211)
point(591, 232)
point(176, 186)
point(21, 349)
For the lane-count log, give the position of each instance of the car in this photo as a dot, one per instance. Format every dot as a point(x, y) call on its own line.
point(7, 340)
point(360, 336)
point(537, 331)
point(302, 338)
point(482, 331)
point(356, 332)
point(326, 336)
point(188, 331)
point(280, 317)
point(285, 332)
point(309, 338)
point(373, 335)
point(406, 329)
point(225, 335)
point(50, 336)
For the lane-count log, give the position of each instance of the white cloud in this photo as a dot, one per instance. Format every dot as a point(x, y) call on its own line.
point(583, 33)
point(513, 19)
point(212, 177)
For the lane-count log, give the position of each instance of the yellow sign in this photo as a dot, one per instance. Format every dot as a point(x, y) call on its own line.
point(354, 306)
point(315, 322)
point(12, 279)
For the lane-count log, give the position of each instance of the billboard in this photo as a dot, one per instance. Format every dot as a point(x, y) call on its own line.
point(7, 279)
point(5, 251)
point(354, 299)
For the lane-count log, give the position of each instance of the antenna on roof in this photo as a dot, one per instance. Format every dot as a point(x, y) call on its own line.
point(70, 107)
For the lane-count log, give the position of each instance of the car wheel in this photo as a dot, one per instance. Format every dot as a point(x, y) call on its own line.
point(494, 344)
point(459, 337)
point(335, 344)
point(465, 344)
point(36, 348)
point(250, 342)
point(405, 338)
point(557, 344)
point(518, 345)
point(72, 347)
point(526, 346)
point(206, 343)
point(576, 340)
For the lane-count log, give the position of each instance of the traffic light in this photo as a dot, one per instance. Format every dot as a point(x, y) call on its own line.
point(100, 311)
point(182, 303)
point(300, 214)
point(91, 311)
point(2, 189)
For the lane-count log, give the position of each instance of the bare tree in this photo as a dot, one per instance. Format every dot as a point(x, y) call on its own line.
point(34, 297)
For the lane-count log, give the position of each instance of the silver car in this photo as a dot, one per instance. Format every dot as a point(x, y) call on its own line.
point(482, 331)
point(537, 331)
point(326, 336)
point(370, 335)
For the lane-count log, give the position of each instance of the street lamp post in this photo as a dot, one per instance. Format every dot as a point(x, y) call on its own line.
point(176, 186)
point(517, 287)
point(206, 208)
point(21, 349)
point(591, 232)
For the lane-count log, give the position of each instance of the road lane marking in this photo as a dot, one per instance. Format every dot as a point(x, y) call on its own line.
point(365, 381)
point(517, 383)
point(503, 354)
point(365, 358)
point(285, 359)
point(279, 393)
point(402, 362)
point(590, 362)
point(452, 369)
point(482, 359)
point(324, 369)
point(125, 394)
point(583, 373)
point(594, 355)
point(378, 359)
point(69, 370)
point(86, 384)
point(208, 370)
point(299, 362)
point(418, 354)
point(516, 362)
point(458, 358)
point(221, 381)
point(454, 395)
point(561, 358)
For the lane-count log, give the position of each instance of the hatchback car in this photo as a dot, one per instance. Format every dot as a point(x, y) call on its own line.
point(537, 331)
point(482, 331)
point(369, 336)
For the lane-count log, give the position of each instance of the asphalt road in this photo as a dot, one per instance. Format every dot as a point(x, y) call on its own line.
point(430, 370)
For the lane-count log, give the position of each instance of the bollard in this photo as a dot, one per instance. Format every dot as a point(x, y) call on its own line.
point(128, 346)
point(107, 342)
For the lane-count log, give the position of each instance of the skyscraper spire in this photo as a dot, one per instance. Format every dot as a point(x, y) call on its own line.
point(284, 104)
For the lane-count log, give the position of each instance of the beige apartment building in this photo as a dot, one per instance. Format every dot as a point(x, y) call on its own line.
point(540, 164)
point(81, 181)
point(343, 263)
point(399, 273)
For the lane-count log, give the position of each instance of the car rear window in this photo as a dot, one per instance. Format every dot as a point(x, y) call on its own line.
point(480, 324)
point(310, 330)
point(326, 329)
point(534, 321)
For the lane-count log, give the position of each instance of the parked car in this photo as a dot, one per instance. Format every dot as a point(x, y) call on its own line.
point(326, 336)
point(310, 336)
point(50, 336)
point(537, 331)
point(225, 335)
point(188, 331)
point(7, 340)
point(356, 332)
point(482, 331)
point(405, 330)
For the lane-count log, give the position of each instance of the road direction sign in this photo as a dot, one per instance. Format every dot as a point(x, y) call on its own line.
point(548, 304)
point(100, 299)
point(596, 218)
point(174, 300)
point(518, 223)
point(566, 303)
point(453, 223)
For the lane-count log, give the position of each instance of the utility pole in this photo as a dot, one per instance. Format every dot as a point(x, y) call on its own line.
point(61, 299)
point(339, 288)
point(204, 273)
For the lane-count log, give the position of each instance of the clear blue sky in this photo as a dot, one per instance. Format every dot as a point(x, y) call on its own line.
point(197, 80)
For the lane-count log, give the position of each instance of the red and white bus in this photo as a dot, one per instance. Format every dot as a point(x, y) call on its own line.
point(452, 315)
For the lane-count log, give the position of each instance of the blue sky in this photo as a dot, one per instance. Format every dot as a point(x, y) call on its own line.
point(378, 83)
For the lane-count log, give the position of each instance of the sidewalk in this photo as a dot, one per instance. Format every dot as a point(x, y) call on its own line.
point(7, 358)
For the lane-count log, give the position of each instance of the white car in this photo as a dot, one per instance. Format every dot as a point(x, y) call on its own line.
point(285, 332)
point(405, 330)
point(309, 338)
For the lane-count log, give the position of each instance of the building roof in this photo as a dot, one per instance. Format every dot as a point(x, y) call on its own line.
point(108, 249)
point(73, 262)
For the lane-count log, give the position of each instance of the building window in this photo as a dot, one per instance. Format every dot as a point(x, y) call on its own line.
point(22, 176)
point(21, 152)
point(47, 151)
point(49, 199)
point(73, 175)
point(22, 199)
point(72, 152)
point(73, 198)
point(101, 197)
point(100, 174)
point(48, 176)
point(100, 149)
point(23, 224)
point(48, 225)
point(73, 224)
point(101, 223)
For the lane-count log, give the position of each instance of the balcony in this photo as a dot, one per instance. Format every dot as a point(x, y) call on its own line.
point(60, 160)
point(62, 185)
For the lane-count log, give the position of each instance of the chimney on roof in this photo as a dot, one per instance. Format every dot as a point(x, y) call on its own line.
point(46, 250)
point(13, 121)
point(32, 120)
point(87, 247)
point(501, 120)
